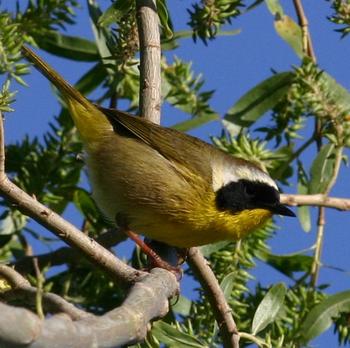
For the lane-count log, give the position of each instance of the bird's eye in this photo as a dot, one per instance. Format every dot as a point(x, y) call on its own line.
point(249, 191)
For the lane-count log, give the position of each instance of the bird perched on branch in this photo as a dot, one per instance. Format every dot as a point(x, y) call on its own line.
point(164, 184)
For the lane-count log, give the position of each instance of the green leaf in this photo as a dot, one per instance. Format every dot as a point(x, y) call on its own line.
point(115, 12)
point(337, 92)
point(7, 228)
point(291, 33)
point(322, 169)
point(227, 284)
point(84, 202)
point(208, 249)
point(71, 47)
point(182, 306)
point(263, 97)
point(269, 307)
point(195, 122)
point(174, 338)
point(7, 225)
point(102, 35)
point(274, 7)
point(164, 18)
point(92, 79)
point(288, 264)
point(320, 317)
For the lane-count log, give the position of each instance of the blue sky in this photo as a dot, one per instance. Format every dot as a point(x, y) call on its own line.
point(230, 66)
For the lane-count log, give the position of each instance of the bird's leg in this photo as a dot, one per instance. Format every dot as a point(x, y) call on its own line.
point(156, 260)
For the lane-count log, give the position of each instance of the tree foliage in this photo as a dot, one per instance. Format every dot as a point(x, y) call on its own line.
point(289, 102)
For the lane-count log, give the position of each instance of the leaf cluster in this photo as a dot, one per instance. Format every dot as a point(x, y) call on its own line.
point(183, 90)
point(11, 40)
point(341, 15)
point(208, 16)
point(41, 16)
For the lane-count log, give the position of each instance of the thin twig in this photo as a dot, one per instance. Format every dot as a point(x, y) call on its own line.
point(2, 149)
point(316, 200)
point(222, 311)
point(304, 24)
point(308, 50)
point(39, 290)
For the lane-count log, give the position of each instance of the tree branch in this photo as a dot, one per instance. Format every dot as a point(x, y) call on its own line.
point(150, 78)
point(322, 219)
point(23, 291)
point(317, 200)
point(304, 24)
point(222, 311)
point(127, 324)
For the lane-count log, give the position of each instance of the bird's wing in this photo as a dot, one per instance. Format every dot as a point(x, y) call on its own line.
point(177, 147)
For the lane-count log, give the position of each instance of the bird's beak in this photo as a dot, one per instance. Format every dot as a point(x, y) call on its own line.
point(281, 209)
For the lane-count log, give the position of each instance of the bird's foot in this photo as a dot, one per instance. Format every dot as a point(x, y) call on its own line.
point(155, 259)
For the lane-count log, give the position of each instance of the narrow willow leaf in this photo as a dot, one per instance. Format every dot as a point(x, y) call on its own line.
point(7, 225)
point(102, 36)
point(71, 47)
point(208, 249)
point(274, 7)
point(195, 122)
point(322, 169)
point(226, 286)
point(291, 33)
point(227, 283)
point(269, 308)
point(320, 317)
point(92, 79)
point(164, 18)
point(288, 264)
point(263, 97)
point(84, 203)
point(174, 338)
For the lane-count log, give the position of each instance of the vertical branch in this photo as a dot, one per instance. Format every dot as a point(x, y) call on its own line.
point(148, 28)
point(39, 290)
point(321, 219)
point(2, 149)
point(222, 311)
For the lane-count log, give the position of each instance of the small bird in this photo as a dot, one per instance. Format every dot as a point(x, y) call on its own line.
point(161, 183)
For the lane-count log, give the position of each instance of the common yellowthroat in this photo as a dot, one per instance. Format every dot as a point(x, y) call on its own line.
point(162, 183)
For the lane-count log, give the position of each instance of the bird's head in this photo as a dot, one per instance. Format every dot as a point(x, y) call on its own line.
point(244, 194)
point(243, 186)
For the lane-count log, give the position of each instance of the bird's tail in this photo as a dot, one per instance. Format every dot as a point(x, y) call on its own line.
point(89, 120)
